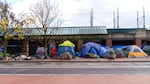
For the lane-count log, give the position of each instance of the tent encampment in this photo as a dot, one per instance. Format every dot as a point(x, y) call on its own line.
point(93, 48)
point(66, 46)
point(134, 51)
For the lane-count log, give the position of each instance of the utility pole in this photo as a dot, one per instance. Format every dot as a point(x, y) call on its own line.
point(91, 18)
point(137, 19)
point(143, 17)
point(118, 18)
point(114, 20)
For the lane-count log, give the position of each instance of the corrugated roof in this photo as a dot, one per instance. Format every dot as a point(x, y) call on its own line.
point(122, 30)
point(67, 30)
point(75, 30)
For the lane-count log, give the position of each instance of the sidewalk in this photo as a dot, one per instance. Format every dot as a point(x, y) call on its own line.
point(79, 79)
point(78, 59)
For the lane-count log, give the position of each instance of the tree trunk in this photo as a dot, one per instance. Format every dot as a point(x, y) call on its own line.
point(45, 44)
point(5, 47)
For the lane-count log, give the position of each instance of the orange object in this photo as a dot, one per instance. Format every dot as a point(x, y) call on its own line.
point(137, 54)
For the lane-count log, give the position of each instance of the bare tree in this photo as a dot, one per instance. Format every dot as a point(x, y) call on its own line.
point(45, 13)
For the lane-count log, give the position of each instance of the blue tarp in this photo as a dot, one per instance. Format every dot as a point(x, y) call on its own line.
point(66, 46)
point(119, 46)
point(1, 49)
point(93, 51)
point(93, 48)
point(62, 49)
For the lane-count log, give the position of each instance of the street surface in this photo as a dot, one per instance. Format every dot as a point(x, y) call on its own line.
point(76, 68)
point(75, 73)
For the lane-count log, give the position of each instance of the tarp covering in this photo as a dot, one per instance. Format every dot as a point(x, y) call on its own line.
point(66, 46)
point(93, 48)
point(119, 46)
point(40, 52)
point(119, 50)
point(135, 51)
point(62, 49)
point(137, 54)
point(146, 49)
point(67, 43)
point(1, 49)
point(119, 53)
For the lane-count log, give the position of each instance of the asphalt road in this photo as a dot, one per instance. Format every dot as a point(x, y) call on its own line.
point(74, 70)
point(75, 73)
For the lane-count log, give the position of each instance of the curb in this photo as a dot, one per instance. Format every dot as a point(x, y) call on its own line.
point(73, 61)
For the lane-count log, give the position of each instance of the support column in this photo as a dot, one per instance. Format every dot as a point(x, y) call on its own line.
point(26, 47)
point(138, 42)
point(109, 42)
point(80, 43)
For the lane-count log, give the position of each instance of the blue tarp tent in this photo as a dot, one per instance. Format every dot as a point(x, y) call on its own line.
point(62, 49)
point(66, 46)
point(1, 49)
point(119, 46)
point(93, 48)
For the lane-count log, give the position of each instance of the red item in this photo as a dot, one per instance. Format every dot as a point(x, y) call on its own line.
point(54, 50)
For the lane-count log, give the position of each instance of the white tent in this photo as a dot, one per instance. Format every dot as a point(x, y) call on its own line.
point(135, 51)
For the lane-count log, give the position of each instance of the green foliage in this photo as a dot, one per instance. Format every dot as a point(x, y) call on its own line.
point(2, 54)
point(11, 27)
point(7, 20)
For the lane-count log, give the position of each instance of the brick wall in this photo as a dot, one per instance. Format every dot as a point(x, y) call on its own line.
point(109, 42)
point(138, 42)
point(80, 43)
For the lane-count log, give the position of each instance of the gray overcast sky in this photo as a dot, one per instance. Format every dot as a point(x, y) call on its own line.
point(77, 12)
